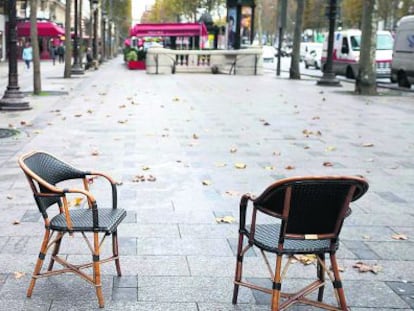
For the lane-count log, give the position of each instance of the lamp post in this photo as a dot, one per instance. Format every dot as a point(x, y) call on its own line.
point(328, 78)
point(13, 99)
point(104, 17)
point(110, 39)
point(94, 32)
point(76, 67)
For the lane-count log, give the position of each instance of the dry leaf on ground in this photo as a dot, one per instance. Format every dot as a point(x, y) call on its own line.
point(327, 164)
point(400, 236)
point(240, 165)
point(289, 167)
point(16, 222)
point(367, 145)
point(233, 150)
point(225, 219)
point(206, 182)
point(305, 259)
point(363, 267)
point(18, 275)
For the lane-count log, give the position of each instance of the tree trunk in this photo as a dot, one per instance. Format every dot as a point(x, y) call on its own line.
point(294, 72)
point(68, 45)
point(365, 83)
point(37, 82)
point(80, 38)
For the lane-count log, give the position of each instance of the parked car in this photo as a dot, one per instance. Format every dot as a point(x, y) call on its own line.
point(402, 67)
point(269, 53)
point(305, 47)
point(313, 56)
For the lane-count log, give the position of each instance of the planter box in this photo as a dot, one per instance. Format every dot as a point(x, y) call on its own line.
point(137, 64)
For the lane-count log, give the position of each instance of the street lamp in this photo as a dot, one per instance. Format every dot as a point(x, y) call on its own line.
point(13, 99)
point(104, 18)
point(76, 67)
point(110, 38)
point(94, 4)
point(328, 78)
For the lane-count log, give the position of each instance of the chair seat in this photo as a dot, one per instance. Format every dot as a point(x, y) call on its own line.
point(109, 219)
point(267, 238)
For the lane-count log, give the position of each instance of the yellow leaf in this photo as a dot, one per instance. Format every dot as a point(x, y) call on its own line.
point(176, 99)
point(77, 201)
point(305, 259)
point(269, 168)
point(330, 148)
point(145, 168)
point(225, 219)
point(240, 165)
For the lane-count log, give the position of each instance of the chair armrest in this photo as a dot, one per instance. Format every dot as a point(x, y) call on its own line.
point(113, 186)
point(243, 207)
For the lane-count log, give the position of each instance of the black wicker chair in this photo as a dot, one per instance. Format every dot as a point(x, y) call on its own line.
point(305, 216)
point(44, 172)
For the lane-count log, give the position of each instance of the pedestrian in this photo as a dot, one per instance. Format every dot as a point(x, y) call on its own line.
point(53, 52)
point(27, 54)
point(61, 53)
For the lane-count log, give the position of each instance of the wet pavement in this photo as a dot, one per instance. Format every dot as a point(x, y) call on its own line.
point(189, 132)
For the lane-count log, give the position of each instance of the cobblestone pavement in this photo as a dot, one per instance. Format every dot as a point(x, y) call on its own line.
point(186, 129)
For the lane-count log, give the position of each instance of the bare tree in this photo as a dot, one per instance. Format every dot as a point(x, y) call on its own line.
point(365, 83)
point(37, 82)
point(294, 72)
point(68, 45)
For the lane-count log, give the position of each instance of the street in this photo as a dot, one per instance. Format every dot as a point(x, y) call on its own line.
point(207, 139)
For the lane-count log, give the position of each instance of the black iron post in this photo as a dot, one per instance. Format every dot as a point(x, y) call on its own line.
point(109, 39)
point(282, 26)
point(76, 67)
point(103, 57)
point(328, 78)
point(94, 34)
point(13, 98)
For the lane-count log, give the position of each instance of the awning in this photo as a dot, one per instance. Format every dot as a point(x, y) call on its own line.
point(44, 29)
point(169, 29)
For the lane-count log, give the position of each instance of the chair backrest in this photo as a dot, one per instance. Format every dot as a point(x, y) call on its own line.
point(44, 171)
point(311, 205)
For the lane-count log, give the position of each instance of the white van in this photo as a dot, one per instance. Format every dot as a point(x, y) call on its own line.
point(402, 68)
point(345, 58)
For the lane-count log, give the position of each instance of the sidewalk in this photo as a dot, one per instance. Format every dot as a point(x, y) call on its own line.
point(174, 255)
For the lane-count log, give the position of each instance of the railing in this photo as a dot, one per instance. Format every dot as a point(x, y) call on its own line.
point(242, 62)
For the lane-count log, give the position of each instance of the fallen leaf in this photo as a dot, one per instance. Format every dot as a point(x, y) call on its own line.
point(77, 201)
point(289, 167)
point(90, 111)
point(9, 197)
point(16, 222)
point(240, 165)
point(315, 118)
point(138, 178)
point(277, 153)
point(330, 148)
point(95, 153)
point(119, 183)
point(176, 99)
point(400, 236)
point(151, 178)
point(327, 164)
point(233, 150)
point(367, 145)
point(266, 123)
point(19, 275)
point(206, 182)
point(225, 219)
point(363, 267)
point(122, 121)
point(306, 147)
point(220, 164)
point(269, 168)
point(305, 259)
point(78, 115)
point(232, 193)
point(145, 168)
point(195, 136)
point(122, 106)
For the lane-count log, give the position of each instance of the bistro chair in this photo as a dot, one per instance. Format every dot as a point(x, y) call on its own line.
point(44, 172)
point(304, 215)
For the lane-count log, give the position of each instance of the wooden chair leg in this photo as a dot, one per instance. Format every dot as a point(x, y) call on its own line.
point(39, 263)
point(97, 270)
point(115, 251)
point(56, 249)
point(321, 276)
point(239, 268)
point(337, 283)
point(277, 284)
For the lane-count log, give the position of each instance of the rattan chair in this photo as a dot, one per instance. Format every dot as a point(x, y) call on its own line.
point(44, 172)
point(304, 215)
